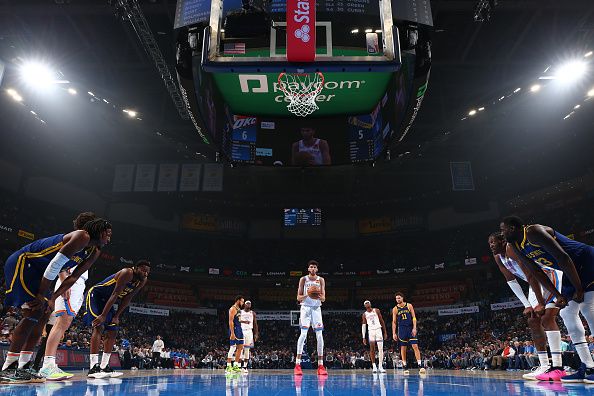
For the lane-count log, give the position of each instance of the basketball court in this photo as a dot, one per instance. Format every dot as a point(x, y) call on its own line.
point(282, 382)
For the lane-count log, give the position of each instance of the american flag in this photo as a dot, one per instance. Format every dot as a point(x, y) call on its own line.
point(234, 49)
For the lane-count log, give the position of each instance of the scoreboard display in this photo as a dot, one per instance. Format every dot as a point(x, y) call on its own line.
point(302, 217)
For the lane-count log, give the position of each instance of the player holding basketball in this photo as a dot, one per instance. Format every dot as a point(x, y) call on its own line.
point(541, 246)
point(311, 293)
point(543, 325)
point(372, 319)
point(120, 287)
point(404, 318)
point(236, 338)
point(310, 150)
point(249, 327)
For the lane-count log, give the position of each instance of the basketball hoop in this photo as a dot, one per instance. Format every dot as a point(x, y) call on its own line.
point(301, 89)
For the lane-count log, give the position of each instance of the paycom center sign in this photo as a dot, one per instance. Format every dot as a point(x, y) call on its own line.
point(261, 94)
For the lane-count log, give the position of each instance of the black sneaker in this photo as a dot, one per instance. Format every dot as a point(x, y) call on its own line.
point(96, 372)
point(35, 377)
point(108, 371)
point(12, 375)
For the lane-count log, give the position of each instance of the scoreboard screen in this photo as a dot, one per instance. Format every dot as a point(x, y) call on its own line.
point(302, 217)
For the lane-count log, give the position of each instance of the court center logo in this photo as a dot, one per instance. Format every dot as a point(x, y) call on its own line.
point(303, 33)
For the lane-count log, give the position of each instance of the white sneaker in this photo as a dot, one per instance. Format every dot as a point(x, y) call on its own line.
point(382, 370)
point(244, 370)
point(535, 371)
point(422, 370)
point(406, 372)
point(374, 369)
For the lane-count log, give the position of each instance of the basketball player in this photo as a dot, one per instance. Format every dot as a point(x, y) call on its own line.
point(249, 327)
point(236, 338)
point(541, 246)
point(403, 318)
point(65, 311)
point(541, 327)
point(372, 319)
point(311, 313)
point(310, 150)
point(28, 275)
point(120, 287)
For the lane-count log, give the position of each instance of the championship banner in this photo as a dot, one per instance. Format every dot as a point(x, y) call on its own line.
point(301, 30)
point(145, 178)
point(461, 176)
point(213, 177)
point(123, 178)
point(168, 177)
point(26, 235)
point(148, 311)
point(458, 311)
point(199, 222)
point(507, 305)
point(190, 177)
point(372, 226)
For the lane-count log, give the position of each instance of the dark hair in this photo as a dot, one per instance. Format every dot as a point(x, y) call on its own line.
point(497, 235)
point(399, 294)
point(513, 221)
point(313, 262)
point(96, 227)
point(238, 297)
point(82, 219)
point(146, 263)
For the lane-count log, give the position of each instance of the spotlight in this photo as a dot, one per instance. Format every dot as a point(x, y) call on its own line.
point(90, 93)
point(517, 90)
point(368, 30)
point(130, 113)
point(588, 54)
point(591, 93)
point(72, 91)
point(577, 107)
point(355, 31)
point(571, 71)
point(14, 95)
point(481, 108)
point(535, 88)
point(38, 75)
point(472, 112)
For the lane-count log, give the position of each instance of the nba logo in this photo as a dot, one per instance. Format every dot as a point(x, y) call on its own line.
point(372, 43)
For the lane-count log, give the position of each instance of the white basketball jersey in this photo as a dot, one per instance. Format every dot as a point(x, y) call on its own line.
point(373, 322)
point(246, 317)
point(513, 267)
point(310, 302)
point(83, 278)
point(314, 150)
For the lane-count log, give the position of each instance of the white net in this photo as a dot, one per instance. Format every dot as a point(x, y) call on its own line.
point(302, 91)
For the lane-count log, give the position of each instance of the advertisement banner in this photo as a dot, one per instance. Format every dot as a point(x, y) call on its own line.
point(213, 271)
point(458, 311)
point(168, 177)
point(199, 222)
point(5, 228)
point(274, 315)
point(470, 261)
point(446, 337)
point(276, 273)
point(149, 311)
point(380, 272)
point(399, 270)
point(377, 225)
point(26, 235)
point(296, 273)
point(123, 178)
point(190, 177)
point(145, 178)
point(440, 266)
point(507, 305)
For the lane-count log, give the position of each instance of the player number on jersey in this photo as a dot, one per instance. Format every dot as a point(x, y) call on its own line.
point(544, 261)
point(403, 316)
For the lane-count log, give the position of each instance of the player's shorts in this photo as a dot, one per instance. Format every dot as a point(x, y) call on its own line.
point(584, 265)
point(405, 337)
point(21, 279)
point(375, 335)
point(69, 306)
point(556, 278)
point(94, 304)
point(311, 316)
point(238, 335)
point(248, 338)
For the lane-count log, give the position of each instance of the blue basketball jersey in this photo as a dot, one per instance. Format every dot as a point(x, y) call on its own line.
point(403, 316)
point(580, 253)
point(106, 286)
point(39, 253)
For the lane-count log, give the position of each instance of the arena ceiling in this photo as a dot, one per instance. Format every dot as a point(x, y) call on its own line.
point(473, 65)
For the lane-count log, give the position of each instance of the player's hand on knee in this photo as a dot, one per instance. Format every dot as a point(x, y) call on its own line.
point(98, 321)
point(37, 303)
point(528, 312)
point(561, 302)
point(364, 341)
point(539, 309)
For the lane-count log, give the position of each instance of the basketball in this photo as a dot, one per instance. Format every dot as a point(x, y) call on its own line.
point(314, 292)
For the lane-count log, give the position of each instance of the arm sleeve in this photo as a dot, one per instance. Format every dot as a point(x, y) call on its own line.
point(363, 329)
point(517, 289)
point(54, 267)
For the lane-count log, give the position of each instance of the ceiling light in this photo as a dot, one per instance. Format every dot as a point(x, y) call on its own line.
point(131, 113)
point(481, 108)
point(535, 88)
point(591, 92)
point(588, 54)
point(577, 107)
point(472, 112)
point(72, 91)
point(355, 31)
point(571, 71)
point(368, 30)
point(90, 93)
point(517, 90)
point(38, 75)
